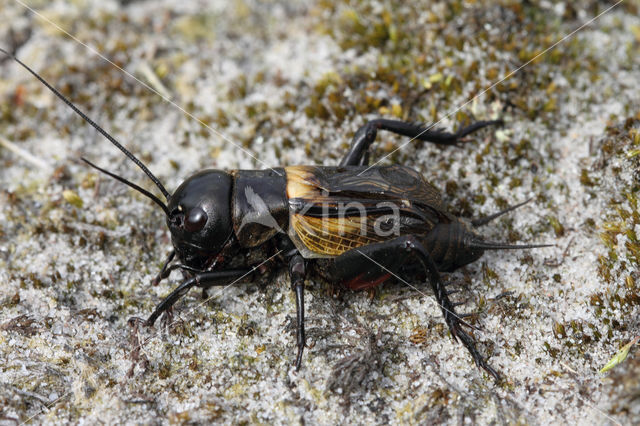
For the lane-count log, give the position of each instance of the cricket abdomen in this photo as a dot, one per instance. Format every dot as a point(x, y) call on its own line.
point(448, 245)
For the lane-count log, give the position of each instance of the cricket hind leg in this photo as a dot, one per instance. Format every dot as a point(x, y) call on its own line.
point(371, 262)
point(358, 154)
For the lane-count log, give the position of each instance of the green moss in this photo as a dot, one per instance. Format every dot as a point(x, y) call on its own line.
point(558, 228)
point(559, 331)
point(585, 179)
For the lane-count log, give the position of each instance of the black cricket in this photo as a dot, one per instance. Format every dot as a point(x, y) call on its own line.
point(224, 224)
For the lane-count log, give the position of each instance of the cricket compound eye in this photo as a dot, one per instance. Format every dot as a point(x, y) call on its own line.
point(196, 220)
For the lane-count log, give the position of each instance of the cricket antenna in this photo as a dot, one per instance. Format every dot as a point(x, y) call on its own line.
point(103, 133)
point(130, 184)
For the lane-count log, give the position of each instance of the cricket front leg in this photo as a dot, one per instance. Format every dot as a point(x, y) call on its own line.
point(204, 280)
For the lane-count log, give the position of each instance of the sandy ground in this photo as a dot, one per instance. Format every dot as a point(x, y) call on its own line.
point(289, 83)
